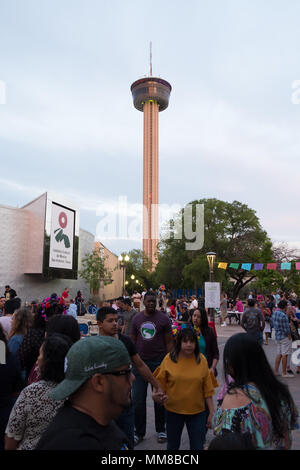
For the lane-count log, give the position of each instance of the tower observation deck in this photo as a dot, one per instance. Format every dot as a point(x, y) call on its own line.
point(150, 95)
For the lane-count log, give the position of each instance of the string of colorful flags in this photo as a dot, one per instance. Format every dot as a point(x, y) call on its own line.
point(259, 266)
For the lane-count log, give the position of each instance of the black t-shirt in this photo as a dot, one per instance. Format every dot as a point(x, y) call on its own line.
point(11, 381)
point(130, 346)
point(73, 430)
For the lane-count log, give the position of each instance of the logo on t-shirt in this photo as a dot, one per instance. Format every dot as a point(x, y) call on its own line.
point(148, 330)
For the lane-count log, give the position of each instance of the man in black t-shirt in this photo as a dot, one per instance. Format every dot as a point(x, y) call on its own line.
point(107, 320)
point(98, 382)
point(9, 293)
point(151, 332)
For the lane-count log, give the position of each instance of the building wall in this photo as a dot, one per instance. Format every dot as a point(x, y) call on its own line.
point(34, 248)
point(113, 290)
point(13, 238)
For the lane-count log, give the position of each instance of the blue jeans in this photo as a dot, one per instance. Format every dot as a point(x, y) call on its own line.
point(196, 428)
point(258, 336)
point(126, 423)
point(139, 399)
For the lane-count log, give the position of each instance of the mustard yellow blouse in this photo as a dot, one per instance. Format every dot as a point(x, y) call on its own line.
point(186, 384)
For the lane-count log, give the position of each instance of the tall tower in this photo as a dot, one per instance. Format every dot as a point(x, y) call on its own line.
point(150, 95)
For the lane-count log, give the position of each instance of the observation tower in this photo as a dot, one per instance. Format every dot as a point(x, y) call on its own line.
point(151, 96)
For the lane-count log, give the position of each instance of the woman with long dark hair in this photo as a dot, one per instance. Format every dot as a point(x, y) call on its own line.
point(11, 383)
point(34, 409)
point(32, 341)
point(185, 378)
point(206, 338)
point(64, 325)
point(256, 401)
point(21, 323)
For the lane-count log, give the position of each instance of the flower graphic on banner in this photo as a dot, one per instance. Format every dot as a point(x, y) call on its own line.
point(60, 235)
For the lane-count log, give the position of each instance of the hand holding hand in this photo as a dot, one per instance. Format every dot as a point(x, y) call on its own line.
point(159, 396)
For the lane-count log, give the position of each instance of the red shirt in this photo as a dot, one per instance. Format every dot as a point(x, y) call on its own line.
point(173, 311)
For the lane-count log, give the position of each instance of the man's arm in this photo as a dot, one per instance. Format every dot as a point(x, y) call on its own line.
point(147, 375)
point(133, 335)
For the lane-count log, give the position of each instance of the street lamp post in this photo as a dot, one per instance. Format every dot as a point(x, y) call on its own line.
point(123, 260)
point(211, 256)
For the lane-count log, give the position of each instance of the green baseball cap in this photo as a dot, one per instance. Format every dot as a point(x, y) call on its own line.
point(89, 356)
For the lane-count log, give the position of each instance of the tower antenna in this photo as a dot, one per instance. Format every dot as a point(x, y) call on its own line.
point(150, 58)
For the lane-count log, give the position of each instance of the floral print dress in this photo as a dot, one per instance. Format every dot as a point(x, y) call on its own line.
point(253, 418)
point(31, 414)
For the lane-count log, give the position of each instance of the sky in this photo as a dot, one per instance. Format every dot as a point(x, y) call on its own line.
point(231, 131)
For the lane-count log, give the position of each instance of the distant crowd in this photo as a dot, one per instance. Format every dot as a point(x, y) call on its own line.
point(61, 389)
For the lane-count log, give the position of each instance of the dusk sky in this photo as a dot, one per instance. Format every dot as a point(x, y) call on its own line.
point(232, 129)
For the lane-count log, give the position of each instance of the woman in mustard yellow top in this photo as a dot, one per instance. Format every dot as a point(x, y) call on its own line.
point(186, 380)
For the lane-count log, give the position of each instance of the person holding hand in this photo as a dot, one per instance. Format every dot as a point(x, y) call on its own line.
point(185, 378)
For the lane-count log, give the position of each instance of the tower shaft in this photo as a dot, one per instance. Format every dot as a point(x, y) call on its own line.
point(150, 180)
point(151, 96)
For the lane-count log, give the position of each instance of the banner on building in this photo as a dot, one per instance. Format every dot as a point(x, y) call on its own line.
point(61, 237)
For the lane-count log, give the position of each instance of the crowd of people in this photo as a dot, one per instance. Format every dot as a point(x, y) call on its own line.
point(261, 315)
point(60, 390)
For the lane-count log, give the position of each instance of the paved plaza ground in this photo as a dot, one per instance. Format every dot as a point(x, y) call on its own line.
point(150, 441)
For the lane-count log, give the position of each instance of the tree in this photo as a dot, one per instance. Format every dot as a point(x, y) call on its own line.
point(282, 252)
point(197, 272)
point(269, 280)
point(266, 280)
point(172, 259)
point(94, 271)
point(232, 230)
point(140, 266)
point(290, 279)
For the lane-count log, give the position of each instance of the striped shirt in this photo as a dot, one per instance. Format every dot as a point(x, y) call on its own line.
point(280, 323)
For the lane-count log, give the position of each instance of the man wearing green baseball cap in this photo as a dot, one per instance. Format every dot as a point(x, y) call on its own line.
point(97, 384)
